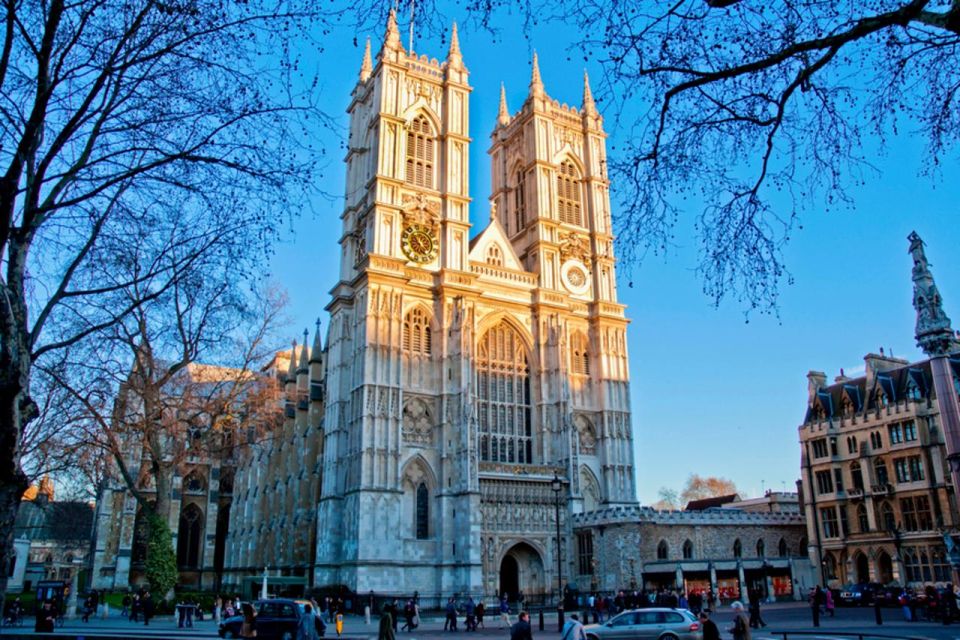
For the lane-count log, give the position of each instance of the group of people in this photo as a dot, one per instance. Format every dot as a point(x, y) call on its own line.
point(138, 605)
point(930, 604)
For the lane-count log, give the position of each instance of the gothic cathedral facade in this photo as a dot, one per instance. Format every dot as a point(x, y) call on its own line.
point(464, 376)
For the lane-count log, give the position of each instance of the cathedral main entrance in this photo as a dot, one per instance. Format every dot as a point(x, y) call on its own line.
point(521, 571)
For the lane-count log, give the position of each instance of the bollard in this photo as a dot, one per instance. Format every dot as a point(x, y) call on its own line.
point(541, 618)
point(876, 610)
point(560, 618)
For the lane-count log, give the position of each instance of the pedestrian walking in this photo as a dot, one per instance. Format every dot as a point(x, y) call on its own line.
point(45, 617)
point(385, 630)
point(815, 599)
point(307, 626)
point(217, 610)
point(709, 627)
point(248, 628)
point(949, 603)
point(573, 629)
point(756, 621)
point(339, 626)
point(479, 612)
point(741, 627)
point(521, 630)
point(470, 609)
point(504, 612)
point(450, 624)
point(147, 603)
point(126, 605)
point(828, 601)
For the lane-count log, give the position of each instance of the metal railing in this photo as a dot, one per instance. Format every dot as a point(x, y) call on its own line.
point(860, 635)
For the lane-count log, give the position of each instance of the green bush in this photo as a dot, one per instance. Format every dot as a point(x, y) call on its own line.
point(161, 564)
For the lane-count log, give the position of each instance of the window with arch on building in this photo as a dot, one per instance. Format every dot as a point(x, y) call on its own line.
point(856, 475)
point(194, 483)
point(189, 537)
point(416, 332)
point(568, 194)
point(687, 550)
point(863, 522)
point(737, 548)
point(761, 548)
point(422, 512)
point(663, 550)
point(494, 255)
point(782, 550)
point(519, 203)
point(579, 354)
point(880, 470)
point(887, 518)
point(802, 548)
point(421, 153)
point(503, 397)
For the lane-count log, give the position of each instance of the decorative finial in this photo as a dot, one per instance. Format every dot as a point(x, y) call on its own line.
point(589, 106)
point(536, 83)
point(304, 356)
point(317, 345)
point(503, 116)
point(933, 332)
point(392, 38)
point(292, 368)
point(366, 67)
point(454, 59)
point(493, 210)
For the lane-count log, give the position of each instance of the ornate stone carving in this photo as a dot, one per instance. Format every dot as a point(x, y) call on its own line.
point(417, 427)
point(933, 332)
point(587, 435)
point(419, 209)
point(575, 246)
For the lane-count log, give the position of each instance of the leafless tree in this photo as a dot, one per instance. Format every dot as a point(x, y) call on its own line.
point(175, 128)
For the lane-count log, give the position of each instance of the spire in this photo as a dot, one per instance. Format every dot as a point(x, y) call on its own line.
point(292, 369)
point(503, 116)
point(454, 58)
point(536, 84)
point(589, 106)
point(317, 345)
point(392, 38)
point(366, 67)
point(934, 333)
point(304, 358)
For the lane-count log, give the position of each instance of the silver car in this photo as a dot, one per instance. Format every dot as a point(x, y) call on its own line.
point(648, 624)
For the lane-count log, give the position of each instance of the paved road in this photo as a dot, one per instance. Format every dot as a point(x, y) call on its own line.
point(779, 617)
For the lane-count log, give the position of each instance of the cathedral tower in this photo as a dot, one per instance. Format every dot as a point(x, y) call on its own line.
point(466, 378)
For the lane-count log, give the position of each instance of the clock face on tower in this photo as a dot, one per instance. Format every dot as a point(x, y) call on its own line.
point(419, 243)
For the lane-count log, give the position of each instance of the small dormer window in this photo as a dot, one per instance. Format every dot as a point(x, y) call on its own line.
point(881, 398)
point(847, 408)
point(494, 256)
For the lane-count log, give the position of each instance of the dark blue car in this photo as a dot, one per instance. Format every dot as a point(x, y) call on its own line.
point(277, 619)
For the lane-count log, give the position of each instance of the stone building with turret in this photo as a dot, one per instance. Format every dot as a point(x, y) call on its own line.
point(462, 379)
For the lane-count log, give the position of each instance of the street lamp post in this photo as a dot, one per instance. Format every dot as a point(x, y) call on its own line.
point(557, 485)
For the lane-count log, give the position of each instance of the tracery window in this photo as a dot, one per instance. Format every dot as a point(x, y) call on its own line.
point(421, 151)
point(503, 397)
point(194, 483)
point(494, 256)
point(580, 354)
point(663, 550)
point(416, 332)
point(423, 512)
point(189, 536)
point(519, 203)
point(568, 194)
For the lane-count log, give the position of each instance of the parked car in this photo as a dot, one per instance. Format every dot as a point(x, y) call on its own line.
point(277, 619)
point(648, 624)
point(856, 595)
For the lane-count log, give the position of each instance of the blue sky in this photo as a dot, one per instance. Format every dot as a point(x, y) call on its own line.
point(711, 393)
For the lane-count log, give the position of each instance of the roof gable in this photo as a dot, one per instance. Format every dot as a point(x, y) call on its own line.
point(494, 235)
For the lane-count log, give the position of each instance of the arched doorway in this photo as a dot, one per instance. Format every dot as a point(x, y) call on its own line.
point(863, 568)
point(522, 570)
point(884, 568)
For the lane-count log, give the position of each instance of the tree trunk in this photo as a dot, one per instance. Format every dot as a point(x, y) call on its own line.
point(11, 490)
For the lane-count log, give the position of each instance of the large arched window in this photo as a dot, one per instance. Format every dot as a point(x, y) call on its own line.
point(580, 354)
point(503, 397)
point(568, 194)
point(663, 550)
point(421, 151)
point(862, 521)
point(422, 512)
point(189, 537)
point(416, 332)
point(687, 550)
